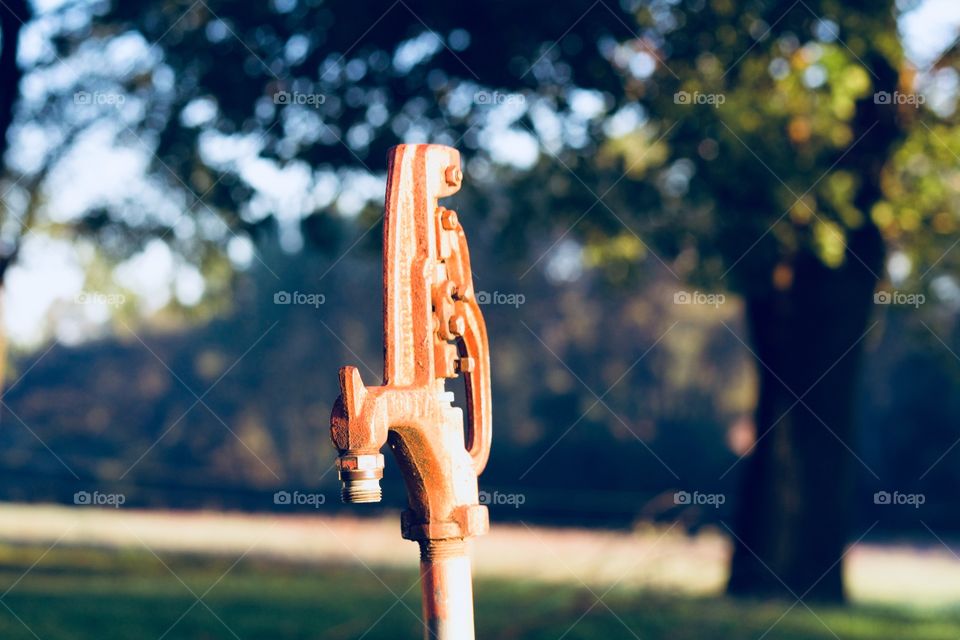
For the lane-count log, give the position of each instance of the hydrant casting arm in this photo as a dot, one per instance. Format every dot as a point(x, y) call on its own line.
point(433, 330)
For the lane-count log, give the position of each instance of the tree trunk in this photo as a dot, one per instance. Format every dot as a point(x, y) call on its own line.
point(791, 525)
point(12, 16)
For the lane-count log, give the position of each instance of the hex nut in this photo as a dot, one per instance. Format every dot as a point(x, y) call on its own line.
point(449, 220)
point(453, 176)
point(360, 462)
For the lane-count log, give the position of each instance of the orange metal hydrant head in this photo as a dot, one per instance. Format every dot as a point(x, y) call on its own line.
point(433, 330)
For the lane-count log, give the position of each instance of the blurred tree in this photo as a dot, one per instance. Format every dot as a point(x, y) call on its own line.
point(769, 148)
point(13, 15)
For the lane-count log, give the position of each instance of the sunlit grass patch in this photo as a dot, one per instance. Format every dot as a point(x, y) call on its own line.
point(98, 594)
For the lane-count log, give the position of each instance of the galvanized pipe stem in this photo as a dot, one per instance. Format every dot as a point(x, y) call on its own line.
point(446, 583)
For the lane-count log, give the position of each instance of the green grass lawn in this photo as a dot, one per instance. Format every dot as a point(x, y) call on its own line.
point(105, 595)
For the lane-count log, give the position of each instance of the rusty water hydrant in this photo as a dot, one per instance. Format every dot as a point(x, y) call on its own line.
point(433, 330)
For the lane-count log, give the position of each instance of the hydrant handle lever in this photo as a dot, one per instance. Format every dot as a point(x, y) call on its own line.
point(474, 363)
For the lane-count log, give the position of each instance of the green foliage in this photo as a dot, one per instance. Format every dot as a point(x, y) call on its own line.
point(781, 160)
point(920, 214)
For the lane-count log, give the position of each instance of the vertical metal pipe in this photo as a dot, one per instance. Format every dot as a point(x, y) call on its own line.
point(447, 588)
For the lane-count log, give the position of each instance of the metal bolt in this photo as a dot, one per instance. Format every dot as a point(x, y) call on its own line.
point(453, 176)
point(448, 219)
point(465, 365)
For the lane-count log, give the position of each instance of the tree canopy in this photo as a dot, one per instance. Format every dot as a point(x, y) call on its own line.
point(712, 139)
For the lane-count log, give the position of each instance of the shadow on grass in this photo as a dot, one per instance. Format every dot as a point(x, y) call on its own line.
point(81, 594)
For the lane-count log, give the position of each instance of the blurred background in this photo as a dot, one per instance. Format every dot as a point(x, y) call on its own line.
point(715, 242)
